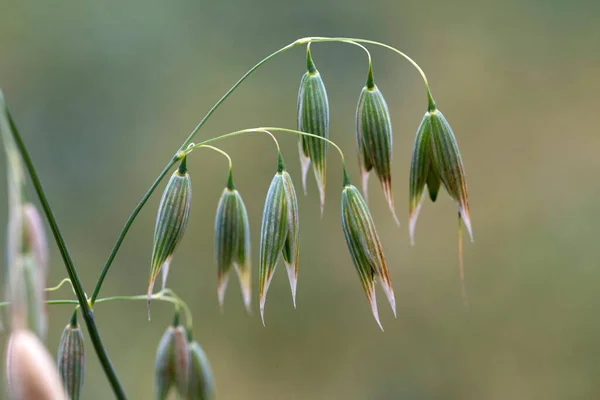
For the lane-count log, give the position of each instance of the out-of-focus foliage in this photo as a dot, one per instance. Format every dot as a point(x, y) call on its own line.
point(105, 92)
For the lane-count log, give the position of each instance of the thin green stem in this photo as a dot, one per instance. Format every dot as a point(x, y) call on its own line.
point(362, 47)
point(188, 313)
point(88, 315)
point(231, 134)
point(265, 130)
point(125, 229)
point(317, 39)
point(160, 296)
point(276, 129)
point(207, 146)
point(235, 86)
point(346, 178)
point(52, 289)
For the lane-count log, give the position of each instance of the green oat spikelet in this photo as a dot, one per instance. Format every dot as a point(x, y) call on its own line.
point(365, 247)
point(374, 139)
point(171, 221)
point(172, 362)
point(436, 161)
point(279, 233)
point(201, 381)
point(313, 117)
point(232, 242)
point(71, 359)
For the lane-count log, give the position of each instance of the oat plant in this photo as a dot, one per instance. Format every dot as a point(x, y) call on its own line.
point(181, 364)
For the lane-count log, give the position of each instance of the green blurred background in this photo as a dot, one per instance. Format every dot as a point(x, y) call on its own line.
point(104, 93)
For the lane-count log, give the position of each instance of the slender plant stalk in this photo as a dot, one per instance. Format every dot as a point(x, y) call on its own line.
point(223, 153)
point(86, 310)
point(125, 229)
point(267, 130)
point(171, 298)
point(431, 102)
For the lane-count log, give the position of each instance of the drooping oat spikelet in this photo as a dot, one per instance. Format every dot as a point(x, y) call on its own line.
point(448, 165)
point(232, 242)
point(171, 221)
point(374, 139)
point(365, 247)
point(172, 362)
point(71, 360)
point(279, 233)
point(30, 371)
point(201, 381)
point(436, 160)
point(313, 117)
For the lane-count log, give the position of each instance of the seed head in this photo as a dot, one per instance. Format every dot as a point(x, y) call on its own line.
point(313, 117)
point(172, 362)
point(365, 247)
point(171, 221)
point(232, 242)
point(374, 139)
point(71, 360)
point(30, 371)
point(201, 381)
point(436, 160)
point(279, 234)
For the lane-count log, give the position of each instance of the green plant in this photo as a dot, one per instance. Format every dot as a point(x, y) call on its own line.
point(436, 161)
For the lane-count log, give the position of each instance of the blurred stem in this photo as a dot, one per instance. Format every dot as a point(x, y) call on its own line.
point(86, 310)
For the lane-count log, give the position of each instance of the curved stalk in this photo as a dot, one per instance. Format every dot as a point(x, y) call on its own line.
point(170, 298)
point(61, 283)
point(267, 130)
point(223, 153)
point(317, 39)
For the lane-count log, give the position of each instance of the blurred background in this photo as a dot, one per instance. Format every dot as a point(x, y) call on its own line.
point(105, 92)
